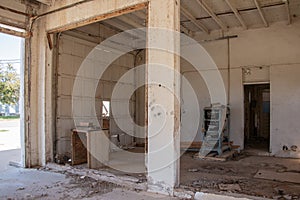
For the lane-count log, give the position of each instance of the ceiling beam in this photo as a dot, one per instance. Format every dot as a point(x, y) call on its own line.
point(140, 14)
point(288, 11)
point(188, 15)
point(9, 31)
point(186, 30)
point(237, 14)
point(261, 13)
point(115, 24)
point(129, 21)
point(46, 2)
point(12, 22)
point(212, 14)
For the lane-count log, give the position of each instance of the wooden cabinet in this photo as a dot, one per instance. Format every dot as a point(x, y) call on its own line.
point(91, 147)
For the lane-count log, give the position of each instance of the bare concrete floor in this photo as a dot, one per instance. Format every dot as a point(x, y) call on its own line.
point(18, 183)
point(238, 175)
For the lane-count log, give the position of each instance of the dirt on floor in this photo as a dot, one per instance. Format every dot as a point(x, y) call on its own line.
point(17, 183)
point(237, 176)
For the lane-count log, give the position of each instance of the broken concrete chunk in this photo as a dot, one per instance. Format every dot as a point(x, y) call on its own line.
point(193, 170)
point(230, 187)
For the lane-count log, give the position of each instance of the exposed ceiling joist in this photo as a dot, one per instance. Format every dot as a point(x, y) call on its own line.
point(12, 22)
point(260, 11)
point(212, 14)
point(186, 30)
point(46, 2)
point(139, 14)
point(288, 11)
point(25, 34)
point(188, 15)
point(129, 21)
point(237, 14)
point(115, 24)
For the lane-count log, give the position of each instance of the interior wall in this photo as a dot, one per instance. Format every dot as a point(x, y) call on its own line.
point(74, 47)
point(272, 55)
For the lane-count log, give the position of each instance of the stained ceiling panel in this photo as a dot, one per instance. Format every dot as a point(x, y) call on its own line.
point(195, 9)
point(230, 20)
point(269, 2)
point(190, 26)
point(218, 6)
point(275, 14)
point(242, 4)
point(252, 19)
point(210, 24)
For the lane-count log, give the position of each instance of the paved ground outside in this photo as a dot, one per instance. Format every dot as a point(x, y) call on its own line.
point(10, 142)
point(10, 134)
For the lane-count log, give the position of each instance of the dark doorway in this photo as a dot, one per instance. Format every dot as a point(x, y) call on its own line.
point(257, 116)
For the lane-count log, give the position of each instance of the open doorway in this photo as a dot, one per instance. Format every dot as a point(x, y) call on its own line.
point(102, 133)
point(257, 116)
point(10, 98)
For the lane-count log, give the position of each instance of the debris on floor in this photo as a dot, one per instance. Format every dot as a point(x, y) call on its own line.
point(278, 176)
point(230, 187)
point(237, 176)
point(227, 155)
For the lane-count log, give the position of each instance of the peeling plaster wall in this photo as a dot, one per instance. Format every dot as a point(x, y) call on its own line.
point(276, 50)
point(72, 52)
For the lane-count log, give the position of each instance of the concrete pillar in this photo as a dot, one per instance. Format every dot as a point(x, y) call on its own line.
point(34, 96)
point(162, 89)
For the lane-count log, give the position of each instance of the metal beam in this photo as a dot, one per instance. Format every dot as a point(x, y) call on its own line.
point(188, 15)
point(237, 14)
point(288, 11)
point(261, 13)
point(212, 14)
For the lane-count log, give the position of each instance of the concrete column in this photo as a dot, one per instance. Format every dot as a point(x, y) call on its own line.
point(162, 89)
point(34, 133)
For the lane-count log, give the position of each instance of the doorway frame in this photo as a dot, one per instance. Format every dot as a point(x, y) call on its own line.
point(244, 120)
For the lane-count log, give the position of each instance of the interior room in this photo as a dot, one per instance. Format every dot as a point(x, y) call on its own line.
point(76, 49)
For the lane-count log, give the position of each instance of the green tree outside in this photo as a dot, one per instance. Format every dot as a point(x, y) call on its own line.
point(9, 85)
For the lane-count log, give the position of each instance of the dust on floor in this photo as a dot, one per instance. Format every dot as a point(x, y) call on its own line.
point(17, 183)
point(237, 176)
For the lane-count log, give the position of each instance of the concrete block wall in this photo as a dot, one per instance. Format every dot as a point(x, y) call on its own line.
point(273, 55)
point(73, 49)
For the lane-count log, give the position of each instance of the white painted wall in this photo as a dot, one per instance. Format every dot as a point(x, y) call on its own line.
point(276, 49)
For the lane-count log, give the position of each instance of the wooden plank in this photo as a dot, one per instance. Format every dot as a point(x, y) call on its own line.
point(287, 6)
point(212, 14)
point(261, 13)
point(237, 14)
point(79, 151)
point(25, 34)
point(188, 15)
point(187, 145)
point(12, 22)
point(100, 18)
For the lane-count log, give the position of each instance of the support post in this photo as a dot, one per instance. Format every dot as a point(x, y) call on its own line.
point(35, 97)
point(163, 90)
